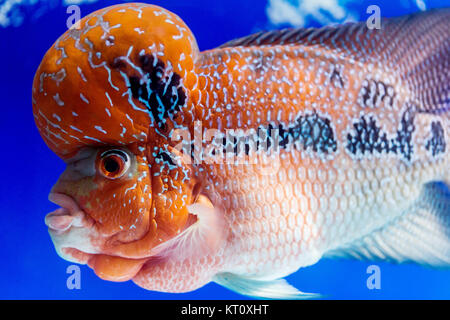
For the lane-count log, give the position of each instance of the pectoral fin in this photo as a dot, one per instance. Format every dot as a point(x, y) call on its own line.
point(205, 236)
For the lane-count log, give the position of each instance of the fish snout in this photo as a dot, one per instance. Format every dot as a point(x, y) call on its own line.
point(69, 215)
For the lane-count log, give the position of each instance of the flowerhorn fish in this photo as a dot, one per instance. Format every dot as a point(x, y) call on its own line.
point(244, 163)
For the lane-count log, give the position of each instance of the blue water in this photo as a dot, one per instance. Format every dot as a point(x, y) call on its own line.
point(31, 269)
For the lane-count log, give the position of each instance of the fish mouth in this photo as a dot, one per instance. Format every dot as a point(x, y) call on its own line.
point(70, 229)
point(69, 215)
point(76, 241)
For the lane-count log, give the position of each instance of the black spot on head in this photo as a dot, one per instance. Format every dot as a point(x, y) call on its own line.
point(159, 89)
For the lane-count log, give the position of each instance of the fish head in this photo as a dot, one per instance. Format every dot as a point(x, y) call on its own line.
point(105, 98)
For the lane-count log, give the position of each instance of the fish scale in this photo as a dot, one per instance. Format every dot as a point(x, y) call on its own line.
point(307, 143)
point(363, 212)
point(269, 240)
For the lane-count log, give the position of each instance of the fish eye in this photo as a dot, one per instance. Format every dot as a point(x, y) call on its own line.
point(113, 163)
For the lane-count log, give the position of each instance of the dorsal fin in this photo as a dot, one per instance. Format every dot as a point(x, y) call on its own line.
point(274, 37)
point(416, 47)
point(345, 35)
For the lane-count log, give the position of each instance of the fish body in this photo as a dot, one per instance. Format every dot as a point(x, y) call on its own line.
point(244, 163)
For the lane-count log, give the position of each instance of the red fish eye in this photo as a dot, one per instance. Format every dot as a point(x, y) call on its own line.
point(113, 164)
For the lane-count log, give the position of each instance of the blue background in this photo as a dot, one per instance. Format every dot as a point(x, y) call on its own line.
point(30, 267)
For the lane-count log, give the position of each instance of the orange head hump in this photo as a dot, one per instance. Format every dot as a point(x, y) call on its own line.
point(126, 69)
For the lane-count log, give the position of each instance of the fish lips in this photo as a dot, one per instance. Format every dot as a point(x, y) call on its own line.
point(69, 215)
point(70, 229)
point(74, 240)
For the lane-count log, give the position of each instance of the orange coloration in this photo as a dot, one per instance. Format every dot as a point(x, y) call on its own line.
point(115, 268)
point(72, 62)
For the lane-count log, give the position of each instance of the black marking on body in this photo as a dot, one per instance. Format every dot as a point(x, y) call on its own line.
point(368, 138)
point(436, 144)
point(313, 132)
point(308, 132)
point(160, 89)
point(373, 93)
